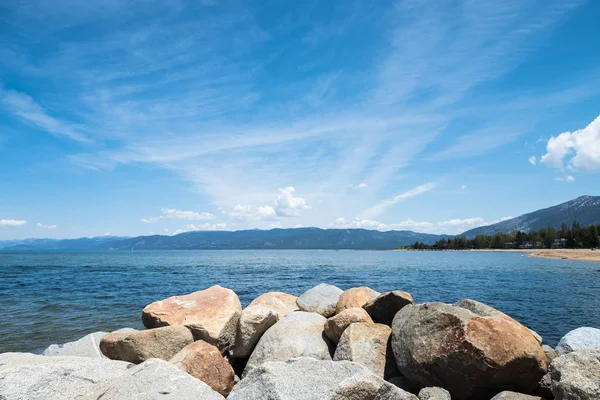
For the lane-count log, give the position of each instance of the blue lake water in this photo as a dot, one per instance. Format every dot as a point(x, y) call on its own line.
point(56, 297)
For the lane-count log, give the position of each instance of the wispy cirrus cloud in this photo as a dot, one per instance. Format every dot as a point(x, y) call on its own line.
point(43, 226)
point(381, 207)
point(172, 213)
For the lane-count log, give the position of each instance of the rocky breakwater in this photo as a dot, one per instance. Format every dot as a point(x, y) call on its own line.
point(326, 344)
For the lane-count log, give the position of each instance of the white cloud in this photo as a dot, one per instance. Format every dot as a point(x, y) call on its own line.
point(40, 225)
point(266, 213)
point(580, 149)
point(463, 187)
point(361, 185)
point(532, 160)
point(568, 178)
point(384, 205)
point(172, 213)
point(201, 227)
point(287, 205)
point(12, 223)
point(242, 213)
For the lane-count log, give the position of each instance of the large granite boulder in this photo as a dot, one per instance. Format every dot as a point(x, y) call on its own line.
point(254, 321)
point(384, 307)
point(336, 325)
point(508, 395)
point(576, 375)
point(366, 344)
point(297, 334)
point(211, 314)
point(25, 376)
point(87, 346)
point(578, 339)
point(139, 346)
point(205, 362)
point(355, 297)
point(322, 299)
point(434, 393)
point(281, 303)
point(307, 379)
point(472, 354)
point(157, 380)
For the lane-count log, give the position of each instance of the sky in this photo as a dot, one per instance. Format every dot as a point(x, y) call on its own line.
point(139, 117)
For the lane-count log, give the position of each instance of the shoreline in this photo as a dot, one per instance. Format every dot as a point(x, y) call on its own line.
point(557, 254)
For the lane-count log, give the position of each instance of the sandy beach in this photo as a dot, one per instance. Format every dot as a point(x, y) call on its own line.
point(565, 254)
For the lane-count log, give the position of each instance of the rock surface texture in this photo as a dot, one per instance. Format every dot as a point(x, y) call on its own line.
point(336, 325)
point(297, 334)
point(507, 395)
point(472, 354)
point(281, 303)
point(578, 339)
point(322, 299)
point(384, 307)
point(254, 321)
point(205, 362)
point(139, 346)
point(434, 393)
point(576, 375)
point(211, 314)
point(308, 379)
point(355, 297)
point(365, 344)
point(87, 346)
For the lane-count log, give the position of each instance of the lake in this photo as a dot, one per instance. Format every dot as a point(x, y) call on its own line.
point(52, 297)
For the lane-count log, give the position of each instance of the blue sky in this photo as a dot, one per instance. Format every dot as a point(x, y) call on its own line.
point(138, 117)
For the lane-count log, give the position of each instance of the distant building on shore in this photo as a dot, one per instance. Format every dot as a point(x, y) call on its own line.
point(559, 244)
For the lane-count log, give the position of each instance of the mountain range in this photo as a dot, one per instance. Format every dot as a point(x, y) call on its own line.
point(585, 209)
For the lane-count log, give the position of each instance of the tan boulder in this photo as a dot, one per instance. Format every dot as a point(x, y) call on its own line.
point(281, 303)
point(254, 321)
point(355, 297)
point(205, 362)
point(139, 346)
point(474, 352)
point(507, 395)
point(211, 314)
point(336, 325)
point(384, 307)
point(365, 343)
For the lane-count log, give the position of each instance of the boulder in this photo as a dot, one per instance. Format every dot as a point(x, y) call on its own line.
point(281, 303)
point(578, 339)
point(205, 362)
point(307, 378)
point(157, 380)
point(544, 388)
point(550, 353)
point(211, 314)
point(254, 321)
point(139, 346)
point(297, 334)
point(507, 395)
point(403, 383)
point(434, 393)
point(87, 346)
point(537, 337)
point(471, 354)
point(25, 376)
point(322, 299)
point(365, 343)
point(576, 375)
point(355, 297)
point(336, 325)
point(384, 307)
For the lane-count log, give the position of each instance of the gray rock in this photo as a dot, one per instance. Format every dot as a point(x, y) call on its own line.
point(384, 307)
point(139, 346)
point(365, 343)
point(536, 336)
point(544, 388)
point(434, 393)
point(550, 353)
point(87, 346)
point(298, 334)
point(577, 339)
point(25, 376)
point(254, 321)
point(472, 355)
point(507, 395)
point(307, 378)
point(160, 380)
point(576, 375)
point(322, 299)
